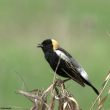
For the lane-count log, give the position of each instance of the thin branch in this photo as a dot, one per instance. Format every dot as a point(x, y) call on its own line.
point(56, 70)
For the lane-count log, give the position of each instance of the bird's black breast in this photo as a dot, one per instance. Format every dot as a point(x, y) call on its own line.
point(52, 59)
point(56, 63)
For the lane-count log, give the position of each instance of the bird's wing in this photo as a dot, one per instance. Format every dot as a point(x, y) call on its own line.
point(71, 65)
point(75, 64)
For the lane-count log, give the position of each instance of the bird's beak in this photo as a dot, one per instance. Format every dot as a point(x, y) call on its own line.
point(39, 45)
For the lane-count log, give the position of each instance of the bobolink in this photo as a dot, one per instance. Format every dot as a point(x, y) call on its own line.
point(68, 67)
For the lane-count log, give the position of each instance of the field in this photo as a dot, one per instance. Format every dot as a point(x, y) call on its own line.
point(81, 27)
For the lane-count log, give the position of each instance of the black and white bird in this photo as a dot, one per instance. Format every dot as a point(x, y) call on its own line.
point(68, 67)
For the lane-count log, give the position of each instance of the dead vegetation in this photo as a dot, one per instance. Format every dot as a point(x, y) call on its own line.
point(47, 99)
point(56, 93)
point(56, 97)
point(66, 101)
point(101, 99)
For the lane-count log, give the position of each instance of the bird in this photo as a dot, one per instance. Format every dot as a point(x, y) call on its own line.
point(64, 64)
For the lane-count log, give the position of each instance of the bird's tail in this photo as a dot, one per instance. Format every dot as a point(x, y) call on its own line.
point(96, 91)
point(89, 84)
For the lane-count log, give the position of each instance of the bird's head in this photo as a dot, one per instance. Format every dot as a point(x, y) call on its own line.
point(49, 45)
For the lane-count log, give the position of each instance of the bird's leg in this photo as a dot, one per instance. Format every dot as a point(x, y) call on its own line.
point(63, 81)
point(66, 80)
point(60, 82)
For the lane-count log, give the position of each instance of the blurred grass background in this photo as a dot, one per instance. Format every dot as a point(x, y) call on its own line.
point(81, 27)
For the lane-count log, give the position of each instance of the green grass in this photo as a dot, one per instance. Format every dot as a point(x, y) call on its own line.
point(81, 28)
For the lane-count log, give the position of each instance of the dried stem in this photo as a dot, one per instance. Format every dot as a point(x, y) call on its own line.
point(102, 90)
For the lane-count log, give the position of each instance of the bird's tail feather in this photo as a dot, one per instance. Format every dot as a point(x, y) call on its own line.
point(89, 84)
point(96, 91)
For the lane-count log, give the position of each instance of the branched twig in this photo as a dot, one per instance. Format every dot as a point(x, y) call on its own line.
point(65, 99)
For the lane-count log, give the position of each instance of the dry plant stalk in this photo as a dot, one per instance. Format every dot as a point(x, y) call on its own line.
point(56, 93)
point(100, 100)
point(61, 96)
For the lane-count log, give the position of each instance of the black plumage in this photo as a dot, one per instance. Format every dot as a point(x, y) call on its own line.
point(68, 67)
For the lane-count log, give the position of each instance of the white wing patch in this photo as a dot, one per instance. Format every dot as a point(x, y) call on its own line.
point(62, 55)
point(83, 73)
